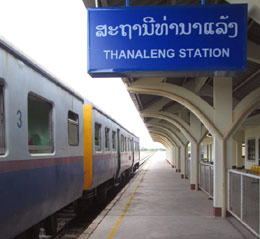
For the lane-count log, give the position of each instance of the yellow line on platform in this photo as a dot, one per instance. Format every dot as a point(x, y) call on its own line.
point(114, 229)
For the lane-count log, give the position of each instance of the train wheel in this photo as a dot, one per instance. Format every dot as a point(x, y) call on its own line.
point(115, 181)
point(31, 233)
point(34, 232)
point(123, 178)
point(77, 206)
point(128, 174)
point(50, 225)
point(81, 205)
point(131, 172)
point(102, 195)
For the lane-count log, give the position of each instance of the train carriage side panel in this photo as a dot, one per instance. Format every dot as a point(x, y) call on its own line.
point(118, 149)
point(126, 156)
point(35, 185)
point(105, 162)
point(137, 153)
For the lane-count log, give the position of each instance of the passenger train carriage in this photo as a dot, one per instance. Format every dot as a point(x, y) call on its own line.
point(55, 146)
point(113, 151)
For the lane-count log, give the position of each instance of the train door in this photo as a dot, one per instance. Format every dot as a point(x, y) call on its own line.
point(118, 152)
point(132, 150)
point(2, 126)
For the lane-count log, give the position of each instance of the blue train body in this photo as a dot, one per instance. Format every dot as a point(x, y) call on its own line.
point(42, 157)
point(30, 195)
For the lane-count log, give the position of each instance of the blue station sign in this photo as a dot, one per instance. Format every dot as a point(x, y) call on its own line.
point(188, 40)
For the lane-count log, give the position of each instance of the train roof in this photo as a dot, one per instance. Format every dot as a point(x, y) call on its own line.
point(5, 45)
point(35, 66)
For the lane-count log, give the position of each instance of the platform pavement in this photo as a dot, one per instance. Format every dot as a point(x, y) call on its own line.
point(159, 204)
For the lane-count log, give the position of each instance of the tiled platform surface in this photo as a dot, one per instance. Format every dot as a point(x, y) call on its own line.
point(159, 204)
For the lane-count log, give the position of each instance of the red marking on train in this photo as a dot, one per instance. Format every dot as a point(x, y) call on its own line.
point(104, 156)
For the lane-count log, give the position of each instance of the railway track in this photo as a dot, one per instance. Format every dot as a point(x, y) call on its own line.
point(64, 218)
point(72, 225)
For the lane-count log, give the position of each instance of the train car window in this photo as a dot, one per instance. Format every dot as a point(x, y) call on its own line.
point(113, 140)
point(73, 128)
point(40, 126)
point(97, 137)
point(2, 122)
point(122, 143)
point(136, 146)
point(107, 143)
point(125, 145)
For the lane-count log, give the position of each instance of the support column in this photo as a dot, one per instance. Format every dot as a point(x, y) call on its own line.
point(183, 161)
point(186, 160)
point(194, 167)
point(195, 151)
point(234, 154)
point(223, 150)
point(177, 159)
point(239, 138)
point(218, 186)
point(172, 156)
point(167, 153)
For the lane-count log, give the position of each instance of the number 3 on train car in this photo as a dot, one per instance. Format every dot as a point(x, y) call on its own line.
point(19, 119)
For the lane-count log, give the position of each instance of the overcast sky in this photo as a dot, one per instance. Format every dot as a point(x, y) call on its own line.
point(54, 34)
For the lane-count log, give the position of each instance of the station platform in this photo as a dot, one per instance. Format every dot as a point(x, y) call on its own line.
point(159, 204)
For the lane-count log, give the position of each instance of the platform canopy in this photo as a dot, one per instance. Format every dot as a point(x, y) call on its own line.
point(243, 83)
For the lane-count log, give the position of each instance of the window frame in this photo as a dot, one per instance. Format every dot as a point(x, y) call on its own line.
point(71, 121)
point(131, 145)
point(113, 140)
point(122, 143)
point(107, 139)
point(99, 149)
point(125, 142)
point(50, 126)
